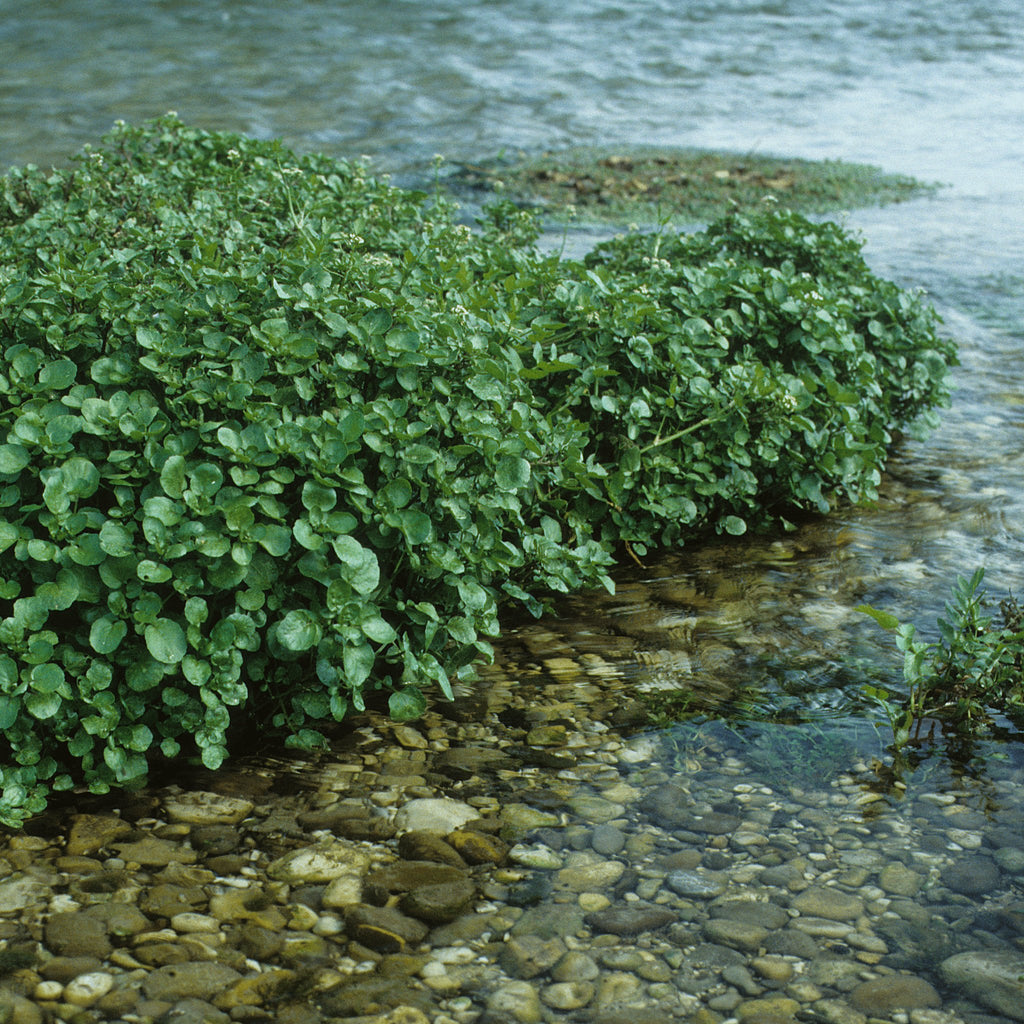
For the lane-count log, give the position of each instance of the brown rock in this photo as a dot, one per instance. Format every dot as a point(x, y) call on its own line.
point(383, 928)
point(479, 848)
point(404, 876)
point(90, 833)
point(428, 846)
point(439, 904)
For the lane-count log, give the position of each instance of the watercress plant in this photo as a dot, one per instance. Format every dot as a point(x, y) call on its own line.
point(275, 435)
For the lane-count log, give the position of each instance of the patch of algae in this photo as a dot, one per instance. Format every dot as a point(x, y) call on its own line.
point(601, 186)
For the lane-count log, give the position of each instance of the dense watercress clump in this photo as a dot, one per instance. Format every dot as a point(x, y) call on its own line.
point(274, 434)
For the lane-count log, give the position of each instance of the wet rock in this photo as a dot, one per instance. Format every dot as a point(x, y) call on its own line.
point(899, 880)
point(193, 1011)
point(531, 890)
point(595, 809)
point(550, 920)
point(359, 996)
point(384, 929)
point(879, 997)
point(404, 876)
point(439, 904)
point(256, 942)
point(91, 833)
point(568, 995)
point(631, 919)
point(735, 934)
point(1010, 859)
point(251, 905)
point(972, 876)
point(320, 863)
point(429, 846)
point(515, 1001)
point(771, 1010)
point(668, 805)
point(19, 892)
point(547, 736)
point(575, 966)
point(994, 978)
point(151, 852)
point(595, 877)
point(695, 886)
point(64, 968)
point(518, 819)
point(215, 840)
point(200, 980)
point(87, 989)
point(434, 814)
point(528, 956)
point(828, 902)
point(202, 808)
point(607, 840)
point(77, 934)
point(478, 847)
point(167, 899)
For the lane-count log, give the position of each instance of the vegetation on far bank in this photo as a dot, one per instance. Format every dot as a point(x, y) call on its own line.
point(650, 186)
point(275, 435)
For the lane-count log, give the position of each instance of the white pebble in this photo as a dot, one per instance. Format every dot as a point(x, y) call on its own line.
point(189, 922)
point(87, 989)
point(48, 990)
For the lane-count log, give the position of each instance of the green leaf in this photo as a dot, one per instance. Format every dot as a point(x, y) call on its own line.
point(734, 525)
point(299, 630)
point(106, 634)
point(407, 704)
point(416, 526)
point(357, 664)
point(172, 478)
point(153, 572)
point(115, 540)
point(165, 640)
point(511, 474)
point(885, 619)
point(43, 705)
point(13, 458)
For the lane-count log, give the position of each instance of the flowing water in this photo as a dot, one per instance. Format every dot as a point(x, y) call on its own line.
point(929, 88)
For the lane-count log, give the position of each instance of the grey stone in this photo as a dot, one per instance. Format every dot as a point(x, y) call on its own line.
point(993, 978)
point(322, 862)
point(528, 956)
point(202, 808)
point(630, 919)
point(193, 1011)
point(972, 876)
point(434, 814)
point(695, 886)
point(199, 980)
point(550, 920)
point(607, 840)
point(736, 934)
point(828, 902)
point(879, 997)
point(383, 928)
point(439, 904)
point(516, 1001)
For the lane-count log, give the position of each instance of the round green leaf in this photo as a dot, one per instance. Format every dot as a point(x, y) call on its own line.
point(315, 497)
point(734, 525)
point(115, 540)
point(106, 634)
point(81, 478)
point(172, 477)
point(416, 525)
point(512, 474)
point(13, 458)
point(299, 630)
point(43, 705)
point(153, 572)
point(407, 704)
point(166, 641)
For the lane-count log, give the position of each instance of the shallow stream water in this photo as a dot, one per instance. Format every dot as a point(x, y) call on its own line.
point(928, 88)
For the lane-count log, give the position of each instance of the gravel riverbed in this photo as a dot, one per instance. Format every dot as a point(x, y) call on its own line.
point(528, 861)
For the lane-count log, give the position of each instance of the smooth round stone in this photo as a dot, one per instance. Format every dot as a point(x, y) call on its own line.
point(434, 814)
point(607, 840)
point(992, 977)
point(323, 862)
point(693, 885)
point(575, 966)
point(568, 995)
point(515, 1001)
point(879, 997)
point(770, 1010)
point(189, 922)
point(966, 838)
point(541, 858)
point(899, 880)
point(822, 927)
point(735, 934)
point(972, 876)
point(591, 877)
point(203, 808)
point(46, 991)
point(773, 968)
point(591, 901)
point(1010, 859)
point(828, 902)
point(595, 809)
